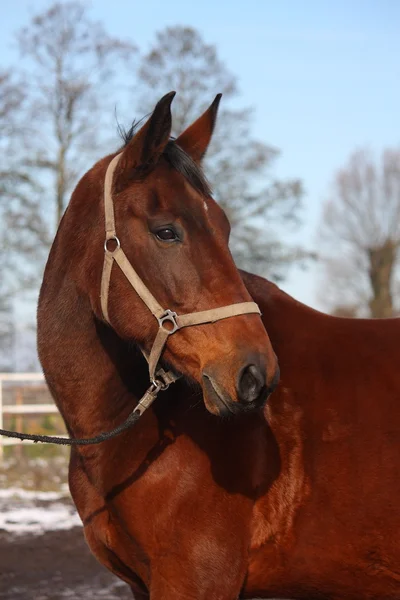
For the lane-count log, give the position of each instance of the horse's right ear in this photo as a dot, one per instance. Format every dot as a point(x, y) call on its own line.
point(196, 138)
point(146, 146)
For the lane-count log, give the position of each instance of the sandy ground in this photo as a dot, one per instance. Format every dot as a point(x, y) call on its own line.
point(54, 565)
point(43, 554)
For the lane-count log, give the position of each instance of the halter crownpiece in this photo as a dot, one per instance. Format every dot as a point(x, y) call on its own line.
point(163, 316)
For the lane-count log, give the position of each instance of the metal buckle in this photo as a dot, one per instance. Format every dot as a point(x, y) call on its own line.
point(168, 316)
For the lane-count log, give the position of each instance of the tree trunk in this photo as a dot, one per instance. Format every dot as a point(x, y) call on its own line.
point(61, 184)
point(381, 263)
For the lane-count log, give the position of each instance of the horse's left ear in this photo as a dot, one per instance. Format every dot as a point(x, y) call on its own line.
point(148, 143)
point(196, 138)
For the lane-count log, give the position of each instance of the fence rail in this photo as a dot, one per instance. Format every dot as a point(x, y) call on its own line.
point(29, 409)
point(20, 408)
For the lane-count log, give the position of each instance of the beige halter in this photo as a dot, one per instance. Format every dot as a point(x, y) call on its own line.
point(163, 316)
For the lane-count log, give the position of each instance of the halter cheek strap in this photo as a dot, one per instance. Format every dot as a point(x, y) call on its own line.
point(168, 321)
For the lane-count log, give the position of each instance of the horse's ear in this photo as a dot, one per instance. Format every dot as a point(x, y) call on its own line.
point(195, 139)
point(149, 142)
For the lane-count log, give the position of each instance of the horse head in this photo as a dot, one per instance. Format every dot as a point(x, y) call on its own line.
point(164, 229)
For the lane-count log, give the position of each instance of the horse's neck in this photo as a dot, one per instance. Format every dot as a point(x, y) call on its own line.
point(92, 373)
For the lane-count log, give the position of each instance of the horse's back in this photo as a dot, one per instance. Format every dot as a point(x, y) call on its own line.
point(331, 519)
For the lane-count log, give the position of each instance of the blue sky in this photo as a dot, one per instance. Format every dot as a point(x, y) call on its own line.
point(323, 78)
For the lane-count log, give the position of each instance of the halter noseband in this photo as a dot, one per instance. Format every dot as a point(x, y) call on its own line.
point(163, 316)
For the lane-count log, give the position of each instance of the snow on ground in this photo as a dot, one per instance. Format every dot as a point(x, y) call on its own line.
point(37, 520)
point(115, 590)
point(19, 493)
point(23, 511)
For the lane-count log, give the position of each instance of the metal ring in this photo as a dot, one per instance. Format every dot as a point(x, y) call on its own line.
point(156, 387)
point(116, 240)
point(159, 385)
point(168, 317)
point(159, 382)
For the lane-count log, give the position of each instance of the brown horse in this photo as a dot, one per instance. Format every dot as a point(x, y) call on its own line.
point(298, 500)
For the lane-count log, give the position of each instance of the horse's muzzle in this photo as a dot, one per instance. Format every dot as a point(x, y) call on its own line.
point(250, 393)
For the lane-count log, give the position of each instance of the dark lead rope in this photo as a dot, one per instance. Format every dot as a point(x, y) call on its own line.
point(147, 399)
point(50, 439)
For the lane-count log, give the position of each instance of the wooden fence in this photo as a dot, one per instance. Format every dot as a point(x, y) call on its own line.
point(14, 388)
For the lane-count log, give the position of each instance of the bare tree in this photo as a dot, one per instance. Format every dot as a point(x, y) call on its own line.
point(72, 67)
point(11, 177)
point(7, 334)
point(238, 166)
point(19, 192)
point(12, 130)
point(11, 100)
point(360, 232)
point(51, 129)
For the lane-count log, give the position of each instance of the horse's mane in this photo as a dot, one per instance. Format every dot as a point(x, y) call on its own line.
point(178, 159)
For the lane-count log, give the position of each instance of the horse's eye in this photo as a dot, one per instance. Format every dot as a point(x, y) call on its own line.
point(166, 234)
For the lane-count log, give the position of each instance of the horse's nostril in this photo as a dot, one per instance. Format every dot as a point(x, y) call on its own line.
point(251, 383)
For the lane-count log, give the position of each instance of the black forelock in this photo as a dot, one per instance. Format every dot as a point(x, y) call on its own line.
point(177, 158)
point(185, 165)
